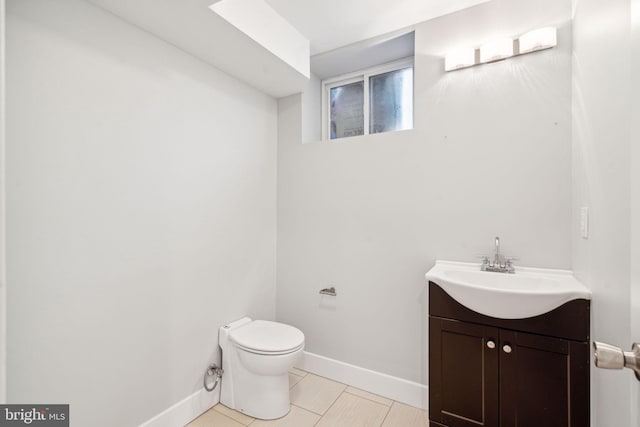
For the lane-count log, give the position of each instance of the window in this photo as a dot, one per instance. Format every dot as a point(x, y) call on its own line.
point(346, 110)
point(370, 101)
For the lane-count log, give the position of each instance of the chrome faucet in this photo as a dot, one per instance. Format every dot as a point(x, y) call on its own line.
point(500, 264)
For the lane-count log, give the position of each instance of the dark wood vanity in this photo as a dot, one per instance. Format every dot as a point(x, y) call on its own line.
point(485, 371)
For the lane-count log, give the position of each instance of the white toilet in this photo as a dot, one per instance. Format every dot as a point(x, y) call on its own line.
point(256, 358)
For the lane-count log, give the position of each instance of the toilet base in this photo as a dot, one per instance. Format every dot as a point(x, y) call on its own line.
point(265, 397)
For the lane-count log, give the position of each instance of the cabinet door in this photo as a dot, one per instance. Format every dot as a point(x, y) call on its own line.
point(544, 381)
point(463, 373)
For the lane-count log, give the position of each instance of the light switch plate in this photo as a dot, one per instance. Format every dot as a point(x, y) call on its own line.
point(584, 222)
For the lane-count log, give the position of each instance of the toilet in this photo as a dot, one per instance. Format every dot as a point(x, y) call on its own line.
point(256, 358)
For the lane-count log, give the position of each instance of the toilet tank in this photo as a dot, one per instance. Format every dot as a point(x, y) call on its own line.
point(223, 334)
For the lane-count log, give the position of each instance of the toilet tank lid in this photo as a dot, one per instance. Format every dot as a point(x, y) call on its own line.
point(267, 336)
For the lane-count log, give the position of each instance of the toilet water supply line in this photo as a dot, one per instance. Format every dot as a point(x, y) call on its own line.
point(212, 371)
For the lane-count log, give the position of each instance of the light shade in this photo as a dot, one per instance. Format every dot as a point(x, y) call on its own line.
point(496, 50)
point(542, 38)
point(460, 58)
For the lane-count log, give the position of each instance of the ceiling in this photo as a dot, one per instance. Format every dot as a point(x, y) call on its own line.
point(192, 27)
point(330, 24)
point(363, 55)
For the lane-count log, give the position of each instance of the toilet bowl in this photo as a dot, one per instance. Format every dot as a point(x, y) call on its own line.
point(256, 358)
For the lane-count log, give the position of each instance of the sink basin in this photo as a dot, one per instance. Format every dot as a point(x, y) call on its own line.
point(527, 293)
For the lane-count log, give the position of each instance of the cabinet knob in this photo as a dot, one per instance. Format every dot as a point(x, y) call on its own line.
point(506, 348)
point(491, 344)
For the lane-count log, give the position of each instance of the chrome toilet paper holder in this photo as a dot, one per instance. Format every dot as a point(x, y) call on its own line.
point(328, 291)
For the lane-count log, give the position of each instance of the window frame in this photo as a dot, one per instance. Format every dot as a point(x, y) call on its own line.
point(360, 76)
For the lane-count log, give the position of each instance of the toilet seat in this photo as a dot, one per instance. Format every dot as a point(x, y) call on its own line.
point(268, 338)
point(270, 353)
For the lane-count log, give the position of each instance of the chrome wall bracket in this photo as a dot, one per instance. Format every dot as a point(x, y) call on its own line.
point(607, 356)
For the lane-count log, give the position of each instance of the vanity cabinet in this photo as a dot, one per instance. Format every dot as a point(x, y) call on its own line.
point(485, 371)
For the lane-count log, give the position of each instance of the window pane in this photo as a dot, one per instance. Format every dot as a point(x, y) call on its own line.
point(391, 101)
point(347, 118)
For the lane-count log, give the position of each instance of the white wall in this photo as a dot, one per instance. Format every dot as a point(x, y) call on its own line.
point(141, 213)
point(635, 199)
point(601, 152)
point(490, 156)
point(3, 289)
point(312, 111)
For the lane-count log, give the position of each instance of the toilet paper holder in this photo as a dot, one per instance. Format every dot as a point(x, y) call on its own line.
point(328, 291)
point(607, 356)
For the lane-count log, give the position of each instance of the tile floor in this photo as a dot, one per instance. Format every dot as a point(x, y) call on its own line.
point(317, 401)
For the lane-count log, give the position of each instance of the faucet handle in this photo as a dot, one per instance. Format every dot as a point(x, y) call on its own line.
point(508, 264)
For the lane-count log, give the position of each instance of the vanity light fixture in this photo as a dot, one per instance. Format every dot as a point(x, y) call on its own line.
point(496, 50)
point(460, 58)
point(542, 38)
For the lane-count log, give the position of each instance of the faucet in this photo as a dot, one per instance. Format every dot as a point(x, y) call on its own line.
point(500, 264)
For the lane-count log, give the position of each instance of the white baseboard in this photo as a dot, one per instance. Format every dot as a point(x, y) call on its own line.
point(388, 386)
point(186, 410)
point(409, 392)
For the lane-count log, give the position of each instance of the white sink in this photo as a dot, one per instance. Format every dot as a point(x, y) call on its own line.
point(527, 293)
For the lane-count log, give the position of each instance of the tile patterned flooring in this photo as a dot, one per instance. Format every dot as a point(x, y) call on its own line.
point(317, 401)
